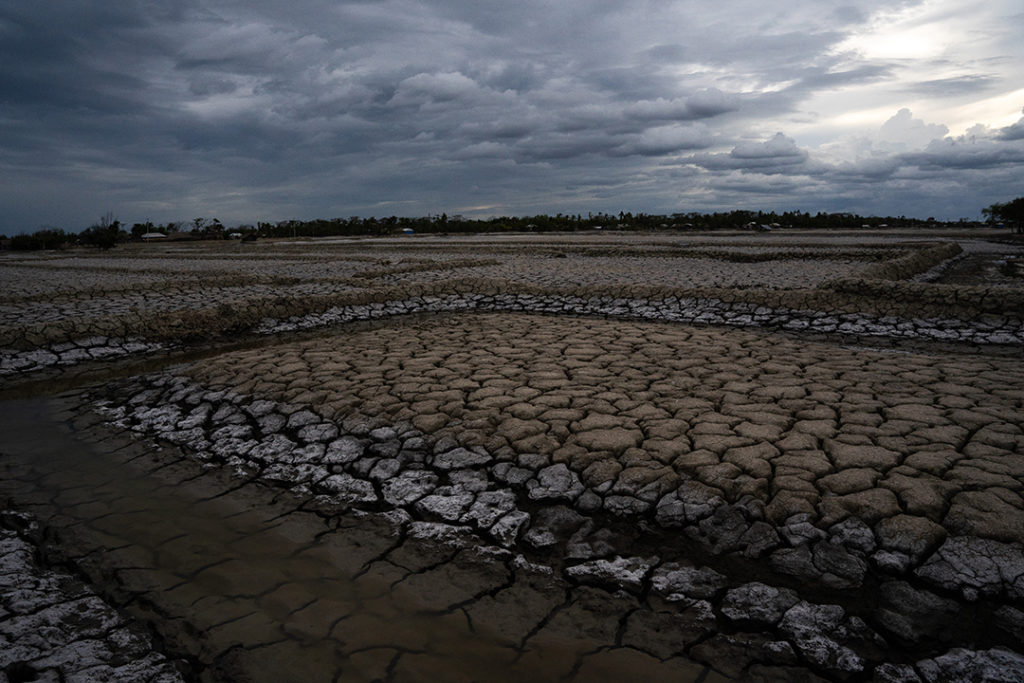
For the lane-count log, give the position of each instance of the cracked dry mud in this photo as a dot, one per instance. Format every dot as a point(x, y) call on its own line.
point(607, 493)
point(632, 411)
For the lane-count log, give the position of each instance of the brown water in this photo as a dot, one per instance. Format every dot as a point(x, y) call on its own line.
point(253, 589)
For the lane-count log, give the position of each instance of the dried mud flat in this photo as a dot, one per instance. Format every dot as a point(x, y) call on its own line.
point(580, 458)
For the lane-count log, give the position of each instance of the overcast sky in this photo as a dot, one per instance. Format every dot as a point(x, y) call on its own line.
point(251, 110)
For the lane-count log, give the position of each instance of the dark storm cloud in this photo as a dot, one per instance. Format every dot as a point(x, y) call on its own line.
point(267, 110)
point(1014, 131)
point(816, 78)
point(981, 165)
point(957, 85)
point(704, 104)
point(49, 66)
point(949, 154)
point(779, 154)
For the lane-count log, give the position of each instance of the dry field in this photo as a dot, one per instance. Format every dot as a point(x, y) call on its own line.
point(793, 456)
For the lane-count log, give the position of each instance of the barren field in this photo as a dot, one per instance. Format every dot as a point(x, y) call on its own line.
point(793, 456)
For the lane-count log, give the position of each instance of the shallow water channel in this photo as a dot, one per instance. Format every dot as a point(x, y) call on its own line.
point(249, 586)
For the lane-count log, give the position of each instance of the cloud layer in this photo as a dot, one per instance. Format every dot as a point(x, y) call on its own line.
point(265, 110)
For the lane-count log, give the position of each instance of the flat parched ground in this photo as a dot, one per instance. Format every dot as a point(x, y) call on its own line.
point(57, 290)
point(409, 459)
point(803, 427)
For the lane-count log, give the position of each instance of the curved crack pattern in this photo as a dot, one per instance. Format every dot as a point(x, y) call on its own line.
point(450, 492)
point(572, 495)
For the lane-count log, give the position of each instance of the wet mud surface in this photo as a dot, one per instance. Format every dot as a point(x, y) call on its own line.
point(242, 583)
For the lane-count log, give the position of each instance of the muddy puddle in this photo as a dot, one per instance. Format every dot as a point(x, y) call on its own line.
point(248, 585)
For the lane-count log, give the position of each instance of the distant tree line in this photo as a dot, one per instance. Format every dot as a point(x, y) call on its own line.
point(1011, 213)
point(108, 232)
point(730, 220)
point(103, 234)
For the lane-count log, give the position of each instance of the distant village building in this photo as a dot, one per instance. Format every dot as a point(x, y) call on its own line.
point(150, 236)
